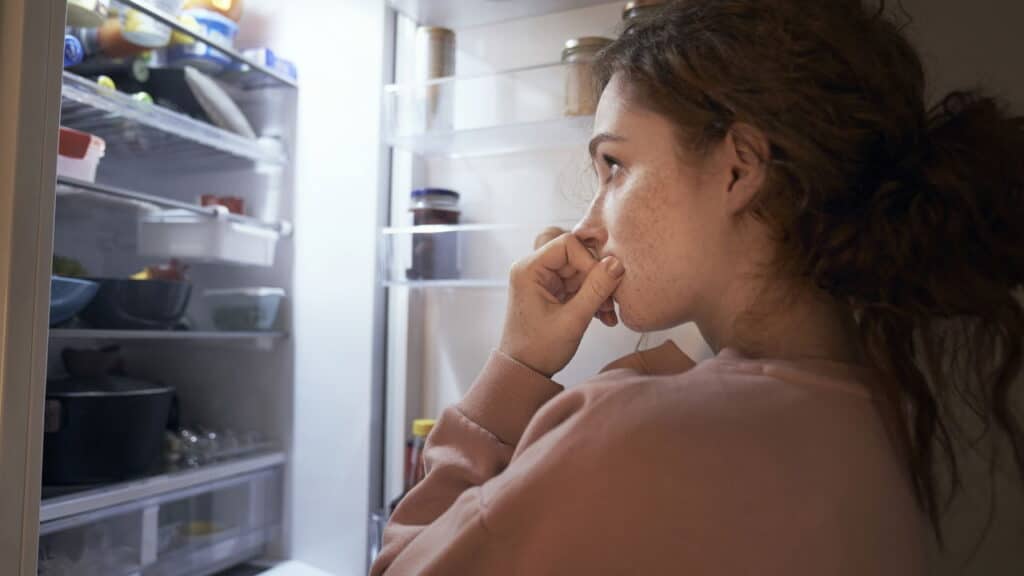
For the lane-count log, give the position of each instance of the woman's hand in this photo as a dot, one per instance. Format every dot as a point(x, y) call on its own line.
point(553, 294)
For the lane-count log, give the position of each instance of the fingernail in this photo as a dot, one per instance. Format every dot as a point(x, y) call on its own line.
point(613, 266)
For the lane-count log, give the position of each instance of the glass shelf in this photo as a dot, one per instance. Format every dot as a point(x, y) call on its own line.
point(467, 13)
point(101, 192)
point(65, 502)
point(461, 256)
point(258, 339)
point(246, 72)
point(516, 110)
point(149, 137)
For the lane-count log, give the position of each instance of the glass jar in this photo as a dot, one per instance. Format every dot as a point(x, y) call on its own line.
point(640, 8)
point(435, 255)
point(581, 93)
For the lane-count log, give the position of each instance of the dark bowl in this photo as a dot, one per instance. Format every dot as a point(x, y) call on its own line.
point(68, 296)
point(137, 304)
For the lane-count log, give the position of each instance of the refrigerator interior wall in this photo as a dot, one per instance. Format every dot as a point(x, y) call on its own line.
point(439, 338)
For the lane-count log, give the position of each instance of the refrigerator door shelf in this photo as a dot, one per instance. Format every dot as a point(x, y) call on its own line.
point(467, 13)
point(187, 236)
point(460, 256)
point(513, 111)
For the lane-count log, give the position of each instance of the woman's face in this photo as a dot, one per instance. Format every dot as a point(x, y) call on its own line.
point(663, 213)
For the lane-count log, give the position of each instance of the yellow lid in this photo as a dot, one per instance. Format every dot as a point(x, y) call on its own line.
point(422, 427)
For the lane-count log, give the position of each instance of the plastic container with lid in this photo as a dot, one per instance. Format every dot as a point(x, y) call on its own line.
point(580, 89)
point(435, 255)
point(79, 154)
point(142, 30)
point(244, 309)
point(186, 51)
point(189, 236)
point(640, 8)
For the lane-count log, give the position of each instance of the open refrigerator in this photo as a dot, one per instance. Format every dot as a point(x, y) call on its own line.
point(300, 427)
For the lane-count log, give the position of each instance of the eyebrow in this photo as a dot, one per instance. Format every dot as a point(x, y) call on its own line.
point(602, 138)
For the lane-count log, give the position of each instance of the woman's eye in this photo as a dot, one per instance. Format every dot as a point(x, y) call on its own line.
point(613, 166)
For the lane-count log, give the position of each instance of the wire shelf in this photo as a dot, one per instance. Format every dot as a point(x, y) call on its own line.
point(149, 137)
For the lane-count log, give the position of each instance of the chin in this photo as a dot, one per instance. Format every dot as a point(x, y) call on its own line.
point(638, 318)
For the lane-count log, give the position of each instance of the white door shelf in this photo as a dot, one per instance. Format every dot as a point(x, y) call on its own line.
point(459, 256)
point(149, 137)
point(512, 111)
point(467, 13)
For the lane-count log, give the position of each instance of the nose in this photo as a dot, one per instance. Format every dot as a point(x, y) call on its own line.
point(591, 229)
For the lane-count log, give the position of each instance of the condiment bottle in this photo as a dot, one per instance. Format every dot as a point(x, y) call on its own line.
point(414, 468)
point(580, 89)
point(435, 58)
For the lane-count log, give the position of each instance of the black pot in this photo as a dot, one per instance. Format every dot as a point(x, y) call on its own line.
point(137, 304)
point(103, 429)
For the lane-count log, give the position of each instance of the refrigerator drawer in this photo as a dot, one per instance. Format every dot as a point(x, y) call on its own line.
point(200, 530)
point(178, 234)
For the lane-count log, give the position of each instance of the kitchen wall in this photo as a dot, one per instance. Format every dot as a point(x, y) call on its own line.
point(965, 45)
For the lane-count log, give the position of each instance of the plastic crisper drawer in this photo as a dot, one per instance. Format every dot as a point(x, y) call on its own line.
point(188, 236)
point(199, 531)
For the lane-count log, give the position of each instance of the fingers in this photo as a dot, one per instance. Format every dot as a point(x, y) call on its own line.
point(566, 251)
point(597, 288)
point(547, 235)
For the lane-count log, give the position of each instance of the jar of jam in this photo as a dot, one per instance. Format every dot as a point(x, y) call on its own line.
point(435, 253)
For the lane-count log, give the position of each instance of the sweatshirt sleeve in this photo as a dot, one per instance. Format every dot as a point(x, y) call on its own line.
point(472, 442)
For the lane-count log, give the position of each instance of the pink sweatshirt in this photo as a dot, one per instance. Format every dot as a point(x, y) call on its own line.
point(737, 466)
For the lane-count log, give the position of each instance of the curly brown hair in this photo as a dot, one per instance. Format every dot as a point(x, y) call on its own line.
point(913, 217)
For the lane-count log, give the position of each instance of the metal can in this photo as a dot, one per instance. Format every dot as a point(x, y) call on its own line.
point(581, 94)
point(435, 58)
point(639, 8)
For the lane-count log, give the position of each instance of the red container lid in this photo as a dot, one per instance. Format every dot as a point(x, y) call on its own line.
point(75, 144)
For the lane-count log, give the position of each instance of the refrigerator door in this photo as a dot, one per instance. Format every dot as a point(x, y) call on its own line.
point(31, 58)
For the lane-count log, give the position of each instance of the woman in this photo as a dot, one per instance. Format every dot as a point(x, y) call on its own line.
point(768, 170)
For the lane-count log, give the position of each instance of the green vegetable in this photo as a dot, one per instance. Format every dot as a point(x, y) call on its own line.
point(64, 266)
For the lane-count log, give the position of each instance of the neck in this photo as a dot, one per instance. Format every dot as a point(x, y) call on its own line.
point(800, 323)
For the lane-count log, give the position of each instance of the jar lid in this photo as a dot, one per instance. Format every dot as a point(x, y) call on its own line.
point(422, 427)
point(642, 4)
point(587, 42)
point(427, 192)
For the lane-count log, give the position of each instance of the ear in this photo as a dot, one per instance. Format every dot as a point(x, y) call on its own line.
point(747, 153)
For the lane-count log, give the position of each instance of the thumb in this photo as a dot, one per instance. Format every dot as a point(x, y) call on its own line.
point(598, 287)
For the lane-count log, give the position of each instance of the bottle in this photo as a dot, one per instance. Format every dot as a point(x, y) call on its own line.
point(73, 52)
point(414, 469)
